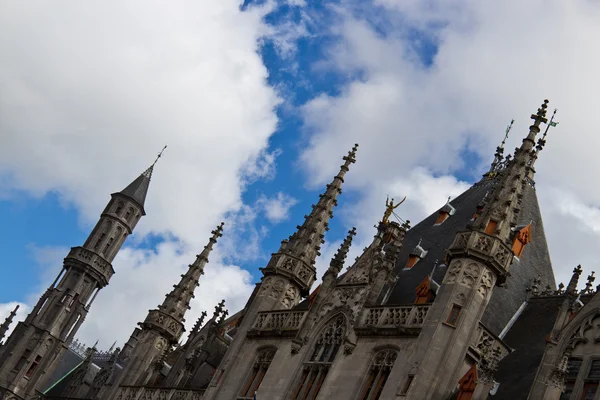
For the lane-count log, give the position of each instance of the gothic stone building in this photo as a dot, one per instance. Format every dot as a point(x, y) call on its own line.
point(461, 306)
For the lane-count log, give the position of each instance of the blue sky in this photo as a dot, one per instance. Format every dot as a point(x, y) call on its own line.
point(257, 119)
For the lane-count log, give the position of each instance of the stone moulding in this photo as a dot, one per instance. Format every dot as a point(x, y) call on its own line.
point(157, 393)
point(277, 323)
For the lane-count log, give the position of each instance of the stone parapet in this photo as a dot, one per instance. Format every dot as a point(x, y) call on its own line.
point(277, 322)
point(164, 323)
point(100, 268)
point(396, 320)
point(488, 249)
point(157, 393)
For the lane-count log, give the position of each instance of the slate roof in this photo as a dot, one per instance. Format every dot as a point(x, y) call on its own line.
point(138, 189)
point(435, 239)
point(528, 339)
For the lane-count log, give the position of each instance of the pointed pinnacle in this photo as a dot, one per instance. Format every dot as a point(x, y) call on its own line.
point(337, 262)
point(572, 286)
point(218, 309)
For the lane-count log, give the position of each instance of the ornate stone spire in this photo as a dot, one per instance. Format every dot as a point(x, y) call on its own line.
point(500, 213)
point(306, 242)
point(296, 257)
point(6, 324)
point(572, 286)
point(178, 301)
point(337, 262)
point(198, 323)
point(138, 189)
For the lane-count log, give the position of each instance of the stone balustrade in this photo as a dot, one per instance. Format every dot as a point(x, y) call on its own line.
point(411, 316)
point(489, 249)
point(484, 341)
point(84, 256)
point(278, 321)
point(157, 393)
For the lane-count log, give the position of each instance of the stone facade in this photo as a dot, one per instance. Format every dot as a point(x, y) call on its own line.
point(461, 306)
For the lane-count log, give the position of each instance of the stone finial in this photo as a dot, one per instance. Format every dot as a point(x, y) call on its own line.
point(337, 262)
point(534, 288)
point(589, 284)
point(223, 316)
point(219, 309)
point(561, 288)
point(572, 286)
point(199, 322)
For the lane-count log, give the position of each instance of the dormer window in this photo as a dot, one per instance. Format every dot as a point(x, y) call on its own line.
point(423, 291)
point(522, 237)
point(490, 229)
point(444, 213)
point(418, 253)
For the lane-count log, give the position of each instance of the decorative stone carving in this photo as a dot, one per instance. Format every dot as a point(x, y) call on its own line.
point(160, 344)
point(453, 272)
point(470, 275)
point(351, 298)
point(485, 286)
point(291, 297)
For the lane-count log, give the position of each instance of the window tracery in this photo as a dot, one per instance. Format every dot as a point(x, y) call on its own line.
point(315, 369)
point(259, 369)
point(378, 374)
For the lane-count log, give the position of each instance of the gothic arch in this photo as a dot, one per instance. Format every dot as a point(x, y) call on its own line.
point(324, 348)
point(574, 333)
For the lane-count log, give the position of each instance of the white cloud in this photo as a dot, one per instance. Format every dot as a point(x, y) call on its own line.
point(143, 279)
point(495, 61)
point(277, 208)
point(91, 93)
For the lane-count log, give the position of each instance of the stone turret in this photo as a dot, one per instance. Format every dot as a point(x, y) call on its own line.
point(479, 259)
point(287, 278)
point(6, 324)
point(33, 351)
point(164, 326)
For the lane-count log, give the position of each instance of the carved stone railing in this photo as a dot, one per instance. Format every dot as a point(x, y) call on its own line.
point(407, 318)
point(84, 256)
point(278, 321)
point(484, 340)
point(157, 393)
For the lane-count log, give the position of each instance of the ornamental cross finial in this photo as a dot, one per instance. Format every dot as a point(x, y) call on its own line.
point(389, 209)
point(223, 316)
point(588, 286)
point(219, 308)
point(148, 173)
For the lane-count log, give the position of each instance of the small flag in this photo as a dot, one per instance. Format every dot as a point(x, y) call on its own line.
point(553, 124)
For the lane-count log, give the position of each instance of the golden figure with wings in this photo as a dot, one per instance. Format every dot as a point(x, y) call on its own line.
point(389, 209)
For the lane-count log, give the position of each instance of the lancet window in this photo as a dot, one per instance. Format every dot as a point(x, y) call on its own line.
point(322, 356)
point(256, 375)
point(378, 374)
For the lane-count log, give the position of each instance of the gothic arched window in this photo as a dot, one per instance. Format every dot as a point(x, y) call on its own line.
point(315, 369)
point(378, 374)
point(119, 208)
point(129, 214)
point(256, 375)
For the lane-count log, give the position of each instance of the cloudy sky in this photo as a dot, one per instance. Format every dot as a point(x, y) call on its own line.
point(257, 103)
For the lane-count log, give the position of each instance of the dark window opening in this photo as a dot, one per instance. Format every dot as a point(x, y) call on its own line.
point(453, 316)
